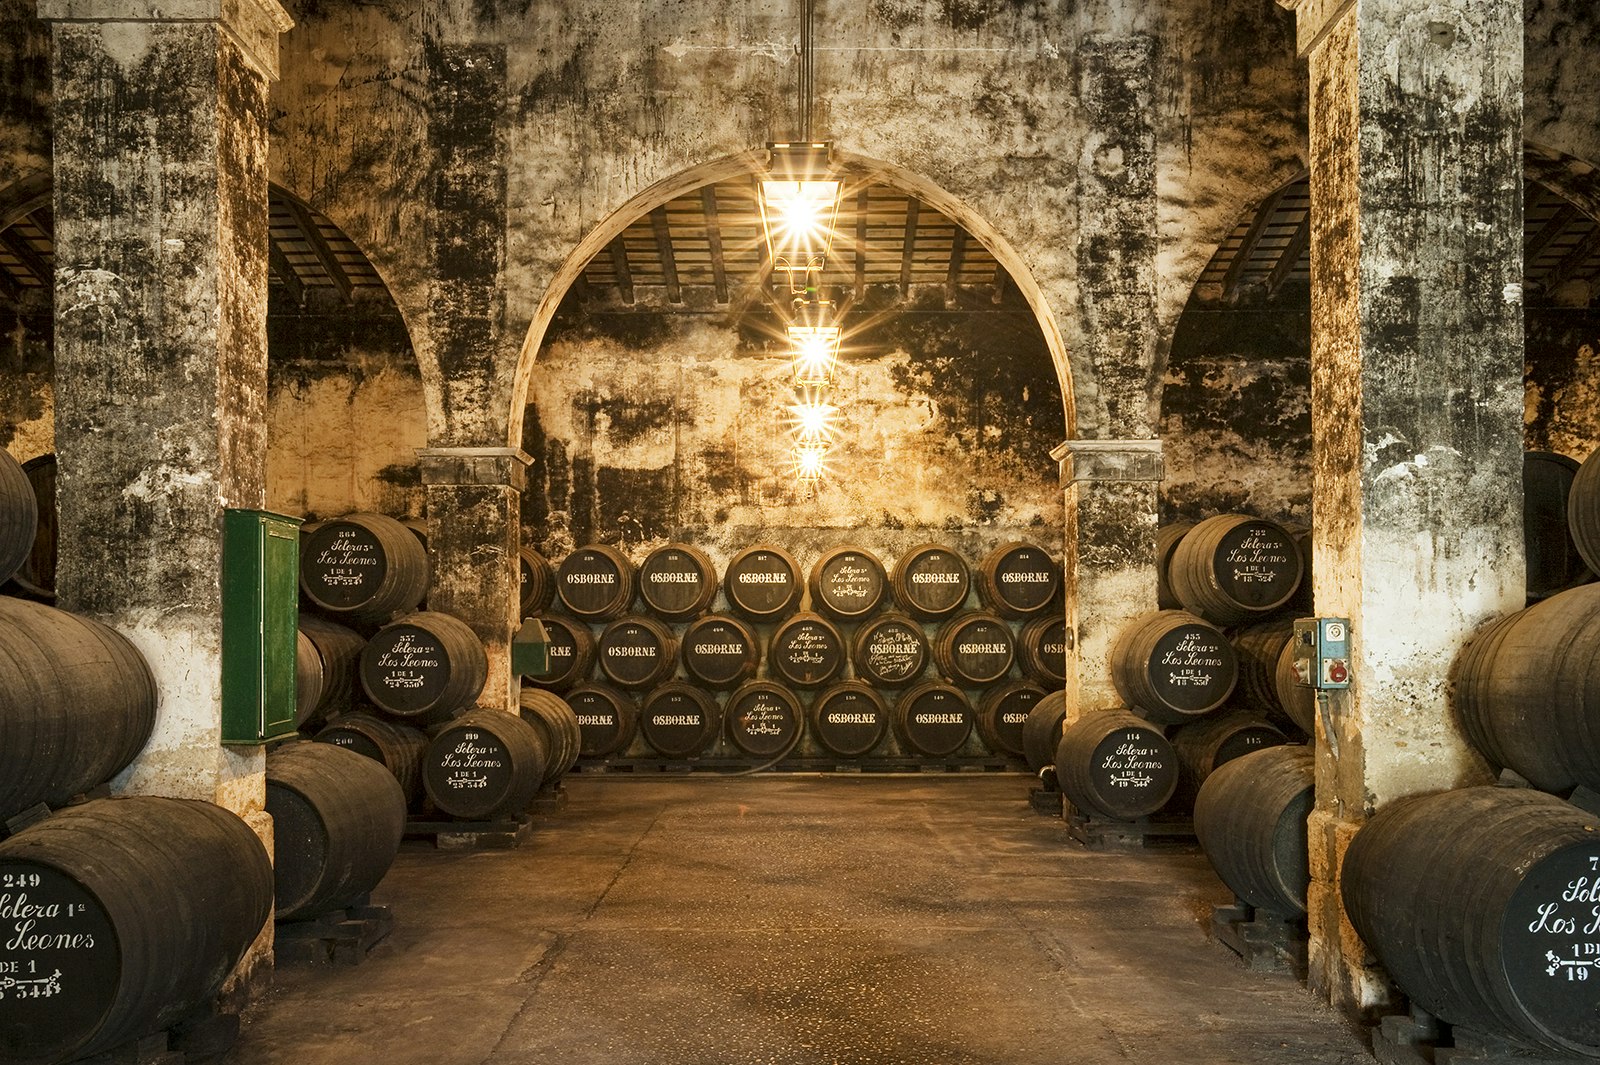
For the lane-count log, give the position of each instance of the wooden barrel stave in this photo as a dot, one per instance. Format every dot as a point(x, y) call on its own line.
point(1583, 511)
point(849, 719)
point(1042, 650)
point(1041, 733)
point(554, 719)
point(720, 651)
point(536, 582)
point(763, 720)
point(572, 651)
point(484, 765)
point(889, 651)
point(308, 679)
point(1250, 818)
point(1171, 666)
point(1019, 580)
point(677, 582)
point(596, 583)
point(395, 746)
point(932, 719)
point(19, 516)
point(428, 665)
point(807, 651)
point(1113, 764)
point(1167, 539)
point(1003, 713)
point(679, 720)
point(636, 652)
point(763, 583)
point(974, 648)
point(848, 583)
point(608, 719)
point(1204, 746)
point(931, 581)
point(338, 648)
point(35, 575)
point(1233, 568)
point(365, 567)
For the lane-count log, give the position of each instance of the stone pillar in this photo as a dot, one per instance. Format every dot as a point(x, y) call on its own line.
point(474, 498)
point(1416, 186)
point(1109, 562)
point(161, 250)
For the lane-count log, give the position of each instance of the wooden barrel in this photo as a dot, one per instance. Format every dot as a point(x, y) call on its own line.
point(537, 581)
point(427, 665)
point(596, 583)
point(1167, 539)
point(889, 651)
point(763, 583)
point(637, 652)
point(679, 720)
point(932, 719)
point(608, 719)
point(307, 679)
point(19, 516)
point(1250, 818)
point(764, 720)
point(337, 819)
point(35, 575)
point(1041, 733)
point(930, 581)
point(848, 583)
point(677, 582)
point(396, 747)
point(484, 765)
point(1002, 713)
point(720, 651)
point(1524, 690)
point(1042, 650)
point(571, 654)
point(77, 704)
point(1302, 603)
point(366, 567)
point(974, 648)
point(1583, 511)
point(1503, 950)
point(338, 650)
point(1113, 764)
point(557, 724)
point(1171, 666)
point(1019, 580)
point(1553, 559)
point(1299, 702)
point(806, 652)
point(849, 719)
point(1232, 568)
point(1258, 648)
point(137, 911)
point(419, 529)
point(1205, 745)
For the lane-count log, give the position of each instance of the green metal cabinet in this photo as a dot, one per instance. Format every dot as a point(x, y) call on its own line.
point(260, 624)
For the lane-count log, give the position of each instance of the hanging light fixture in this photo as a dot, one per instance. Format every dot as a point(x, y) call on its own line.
point(813, 343)
point(810, 465)
point(799, 202)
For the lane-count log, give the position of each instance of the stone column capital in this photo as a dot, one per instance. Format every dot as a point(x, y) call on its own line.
point(1313, 20)
point(474, 465)
point(1109, 461)
point(254, 25)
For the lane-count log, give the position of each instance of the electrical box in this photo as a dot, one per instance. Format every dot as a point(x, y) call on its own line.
point(1322, 653)
point(530, 650)
point(260, 625)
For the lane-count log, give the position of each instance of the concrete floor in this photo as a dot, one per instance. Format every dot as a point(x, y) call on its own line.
point(796, 920)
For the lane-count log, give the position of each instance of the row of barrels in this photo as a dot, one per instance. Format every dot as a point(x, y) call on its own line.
point(1231, 569)
point(721, 651)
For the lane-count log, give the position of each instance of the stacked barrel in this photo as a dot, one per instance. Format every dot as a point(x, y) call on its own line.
point(812, 661)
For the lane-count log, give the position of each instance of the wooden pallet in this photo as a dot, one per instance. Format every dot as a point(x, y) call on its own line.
point(205, 1038)
point(342, 937)
point(1046, 801)
point(1101, 833)
point(1267, 942)
point(1418, 1038)
point(473, 835)
point(550, 800)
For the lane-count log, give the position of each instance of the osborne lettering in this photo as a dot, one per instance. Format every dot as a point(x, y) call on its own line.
point(852, 719)
point(1013, 717)
point(1024, 578)
point(674, 578)
point(591, 578)
point(939, 719)
point(936, 578)
point(631, 652)
point(981, 648)
point(677, 719)
point(596, 720)
point(763, 578)
point(718, 648)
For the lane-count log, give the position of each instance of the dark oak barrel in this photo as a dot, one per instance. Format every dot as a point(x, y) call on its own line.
point(35, 576)
point(307, 679)
point(677, 582)
point(849, 719)
point(1553, 559)
point(1479, 903)
point(974, 648)
point(932, 719)
point(1250, 818)
point(1113, 764)
point(596, 583)
point(1041, 733)
point(807, 651)
point(679, 720)
point(1171, 666)
point(608, 719)
point(77, 704)
point(19, 516)
point(889, 651)
point(1583, 511)
point(1042, 650)
point(763, 583)
point(537, 582)
point(848, 583)
point(137, 911)
point(1167, 539)
point(1526, 690)
point(637, 652)
point(1301, 603)
point(484, 765)
point(395, 746)
point(1205, 745)
point(1004, 711)
point(720, 651)
point(557, 724)
point(426, 665)
point(1267, 682)
point(338, 651)
point(1299, 701)
point(1019, 580)
point(366, 567)
point(931, 581)
point(1232, 568)
point(337, 819)
point(571, 654)
point(762, 719)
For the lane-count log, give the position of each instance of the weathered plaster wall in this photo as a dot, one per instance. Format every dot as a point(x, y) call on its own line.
point(25, 102)
point(1562, 109)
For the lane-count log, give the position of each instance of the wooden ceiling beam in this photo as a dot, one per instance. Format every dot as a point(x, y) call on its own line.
point(320, 248)
point(619, 265)
point(1234, 276)
point(908, 248)
point(1574, 260)
point(1292, 252)
point(1547, 234)
point(958, 253)
point(719, 265)
point(284, 271)
point(29, 257)
point(669, 264)
point(861, 243)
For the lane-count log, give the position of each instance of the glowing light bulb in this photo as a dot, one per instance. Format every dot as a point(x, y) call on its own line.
point(813, 420)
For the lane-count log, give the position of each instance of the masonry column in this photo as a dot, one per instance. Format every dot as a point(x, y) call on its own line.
point(1109, 563)
point(161, 350)
point(474, 498)
point(1416, 185)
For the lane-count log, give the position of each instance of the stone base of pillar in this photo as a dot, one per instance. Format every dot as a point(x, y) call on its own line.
point(1339, 966)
